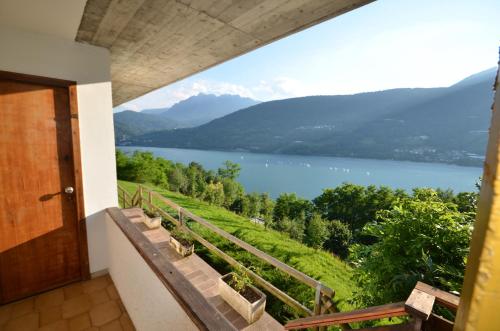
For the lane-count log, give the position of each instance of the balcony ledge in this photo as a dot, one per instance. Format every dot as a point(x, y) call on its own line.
point(191, 281)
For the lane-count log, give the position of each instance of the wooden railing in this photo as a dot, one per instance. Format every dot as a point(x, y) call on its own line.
point(323, 302)
point(418, 306)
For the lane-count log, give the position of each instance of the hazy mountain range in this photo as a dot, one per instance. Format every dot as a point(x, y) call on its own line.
point(194, 111)
point(447, 124)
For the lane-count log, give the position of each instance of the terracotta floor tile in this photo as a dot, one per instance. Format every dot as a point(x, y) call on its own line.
point(72, 291)
point(61, 325)
point(22, 307)
point(98, 297)
point(120, 304)
point(126, 322)
point(80, 322)
point(26, 322)
point(76, 306)
point(113, 326)
point(49, 299)
point(5, 313)
point(95, 284)
point(50, 315)
point(104, 313)
point(112, 292)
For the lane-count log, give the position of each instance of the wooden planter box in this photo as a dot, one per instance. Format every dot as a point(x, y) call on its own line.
point(251, 312)
point(180, 248)
point(152, 223)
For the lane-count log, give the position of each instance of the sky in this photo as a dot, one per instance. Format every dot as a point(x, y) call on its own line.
point(385, 44)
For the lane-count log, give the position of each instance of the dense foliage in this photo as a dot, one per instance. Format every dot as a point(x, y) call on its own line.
point(394, 238)
point(421, 238)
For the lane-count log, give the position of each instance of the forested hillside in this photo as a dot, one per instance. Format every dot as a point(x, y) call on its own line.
point(433, 124)
point(130, 123)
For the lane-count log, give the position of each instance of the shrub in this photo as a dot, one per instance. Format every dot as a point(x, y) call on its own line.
point(316, 232)
point(420, 239)
point(339, 238)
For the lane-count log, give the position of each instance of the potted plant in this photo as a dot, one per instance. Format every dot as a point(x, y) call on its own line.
point(152, 219)
point(237, 290)
point(182, 242)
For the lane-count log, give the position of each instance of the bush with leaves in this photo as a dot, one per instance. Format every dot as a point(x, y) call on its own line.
point(316, 232)
point(419, 239)
point(289, 206)
point(356, 205)
point(339, 238)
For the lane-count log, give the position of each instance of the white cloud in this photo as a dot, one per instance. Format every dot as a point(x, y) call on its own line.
point(286, 87)
point(169, 95)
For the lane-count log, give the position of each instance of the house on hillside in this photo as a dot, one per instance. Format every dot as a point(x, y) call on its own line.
point(69, 256)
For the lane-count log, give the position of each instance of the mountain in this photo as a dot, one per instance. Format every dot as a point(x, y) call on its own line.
point(128, 123)
point(423, 124)
point(154, 111)
point(193, 111)
point(203, 108)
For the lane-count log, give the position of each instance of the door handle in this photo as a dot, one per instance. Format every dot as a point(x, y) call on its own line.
point(69, 190)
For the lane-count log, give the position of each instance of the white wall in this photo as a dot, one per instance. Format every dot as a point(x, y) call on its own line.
point(150, 305)
point(43, 55)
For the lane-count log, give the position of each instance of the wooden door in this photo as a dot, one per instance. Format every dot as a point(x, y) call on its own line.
point(40, 244)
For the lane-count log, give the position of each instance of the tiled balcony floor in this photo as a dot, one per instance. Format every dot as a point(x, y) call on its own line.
point(90, 305)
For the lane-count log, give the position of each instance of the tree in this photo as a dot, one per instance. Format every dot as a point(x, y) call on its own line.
point(466, 202)
point(214, 194)
point(232, 191)
point(241, 205)
point(231, 170)
point(355, 205)
point(177, 180)
point(316, 232)
point(266, 209)
point(122, 165)
point(339, 238)
point(254, 204)
point(419, 239)
point(195, 175)
point(294, 227)
point(288, 205)
point(142, 167)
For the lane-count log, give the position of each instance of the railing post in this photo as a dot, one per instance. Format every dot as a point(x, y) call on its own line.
point(317, 303)
point(180, 217)
point(150, 200)
point(123, 199)
point(139, 197)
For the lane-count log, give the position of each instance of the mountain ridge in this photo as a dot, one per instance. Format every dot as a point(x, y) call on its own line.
point(447, 124)
point(193, 111)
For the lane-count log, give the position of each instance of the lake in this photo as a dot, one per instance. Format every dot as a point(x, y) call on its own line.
point(308, 175)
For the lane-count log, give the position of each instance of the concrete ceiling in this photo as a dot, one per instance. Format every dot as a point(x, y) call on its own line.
point(156, 42)
point(59, 18)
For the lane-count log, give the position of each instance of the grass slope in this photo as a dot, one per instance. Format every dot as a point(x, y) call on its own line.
point(318, 264)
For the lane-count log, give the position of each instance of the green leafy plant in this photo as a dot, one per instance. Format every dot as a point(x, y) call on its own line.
point(152, 214)
point(421, 239)
point(240, 280)
point(182, 236)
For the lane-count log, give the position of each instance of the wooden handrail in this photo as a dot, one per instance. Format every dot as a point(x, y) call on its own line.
point(372, 313)
point(420, 304)
point(324, 294)
point(443, 298)
point(269, 259)
point(259, 280)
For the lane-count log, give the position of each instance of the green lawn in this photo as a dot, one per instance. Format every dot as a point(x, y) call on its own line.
point(318, 264)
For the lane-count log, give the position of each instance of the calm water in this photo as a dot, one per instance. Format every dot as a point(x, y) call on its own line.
point(308, 175)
